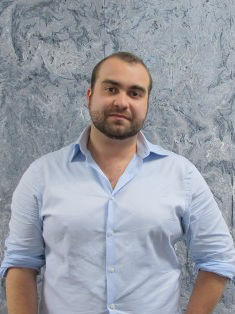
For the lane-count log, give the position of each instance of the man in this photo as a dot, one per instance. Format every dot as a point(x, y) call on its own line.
point(103, 215)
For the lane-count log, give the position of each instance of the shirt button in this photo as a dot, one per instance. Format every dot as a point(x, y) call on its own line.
point(111, 198)
point(112, 306)
point(111, 269)
point(110, 233)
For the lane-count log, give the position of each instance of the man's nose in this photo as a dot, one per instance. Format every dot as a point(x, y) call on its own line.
point(121, 100)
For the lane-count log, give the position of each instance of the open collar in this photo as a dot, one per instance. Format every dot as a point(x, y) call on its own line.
point(144, 147)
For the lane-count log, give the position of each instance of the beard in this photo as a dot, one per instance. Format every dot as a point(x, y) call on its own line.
point(119, 129)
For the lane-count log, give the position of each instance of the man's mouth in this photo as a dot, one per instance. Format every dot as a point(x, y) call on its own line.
point(116, 115)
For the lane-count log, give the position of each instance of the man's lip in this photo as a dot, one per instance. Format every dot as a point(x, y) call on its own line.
point(119, 116)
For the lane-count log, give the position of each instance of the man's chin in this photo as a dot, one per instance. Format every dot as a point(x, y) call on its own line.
point(119, 135)
point(117, 131)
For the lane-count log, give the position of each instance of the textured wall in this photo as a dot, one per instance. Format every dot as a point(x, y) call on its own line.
point(47, 51)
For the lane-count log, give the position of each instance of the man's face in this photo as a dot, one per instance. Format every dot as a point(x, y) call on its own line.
point(118, 103)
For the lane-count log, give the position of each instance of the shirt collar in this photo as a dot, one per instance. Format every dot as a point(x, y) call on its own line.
point(144, 147)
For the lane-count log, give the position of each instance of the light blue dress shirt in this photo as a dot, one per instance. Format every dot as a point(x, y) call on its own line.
point(111, 250)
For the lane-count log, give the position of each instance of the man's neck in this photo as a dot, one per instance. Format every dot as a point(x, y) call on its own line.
point(104, 149)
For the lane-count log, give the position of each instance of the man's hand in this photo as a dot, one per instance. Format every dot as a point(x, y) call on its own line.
point(206, 293)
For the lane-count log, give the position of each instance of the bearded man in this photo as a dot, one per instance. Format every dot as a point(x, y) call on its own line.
point(103, 215)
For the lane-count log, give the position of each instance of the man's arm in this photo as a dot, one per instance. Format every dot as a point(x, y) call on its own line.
point(21, 291)
point(209, 242)
point(25, 253)
point(206, 293)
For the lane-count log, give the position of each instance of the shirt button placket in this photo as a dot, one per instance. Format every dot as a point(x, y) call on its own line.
point(110, 254)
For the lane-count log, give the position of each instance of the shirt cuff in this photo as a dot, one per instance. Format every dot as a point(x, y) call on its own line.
point(21, 261)
point(221, 269)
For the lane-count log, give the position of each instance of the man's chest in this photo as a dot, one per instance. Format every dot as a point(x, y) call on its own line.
point(114, 175)
point(86, 207)
point(114, 172)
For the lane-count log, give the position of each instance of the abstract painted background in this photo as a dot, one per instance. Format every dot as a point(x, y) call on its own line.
point(47, 52)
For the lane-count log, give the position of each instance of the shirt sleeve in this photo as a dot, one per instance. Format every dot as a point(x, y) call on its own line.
point(24, 245)
point(207, 235)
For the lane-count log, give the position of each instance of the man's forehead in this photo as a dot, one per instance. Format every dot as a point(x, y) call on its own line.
point(115, 69)
point(115, 62)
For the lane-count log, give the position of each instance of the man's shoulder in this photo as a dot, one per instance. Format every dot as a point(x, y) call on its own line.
point(172, 156)
point(177, 162)
point(61, 155)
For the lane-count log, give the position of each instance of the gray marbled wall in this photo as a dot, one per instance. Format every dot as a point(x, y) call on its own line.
point(47, 52)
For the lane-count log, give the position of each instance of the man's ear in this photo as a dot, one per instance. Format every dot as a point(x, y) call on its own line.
point(88, 96)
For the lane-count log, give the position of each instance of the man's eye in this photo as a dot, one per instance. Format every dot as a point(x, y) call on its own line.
point(111, 90)
point(134, 94)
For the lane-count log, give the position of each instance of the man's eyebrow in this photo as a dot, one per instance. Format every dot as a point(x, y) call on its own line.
point(138, 87)
point(111, 82)
point(142, 89)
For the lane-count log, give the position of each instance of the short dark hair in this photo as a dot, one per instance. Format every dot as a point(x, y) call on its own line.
point(125, 56)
